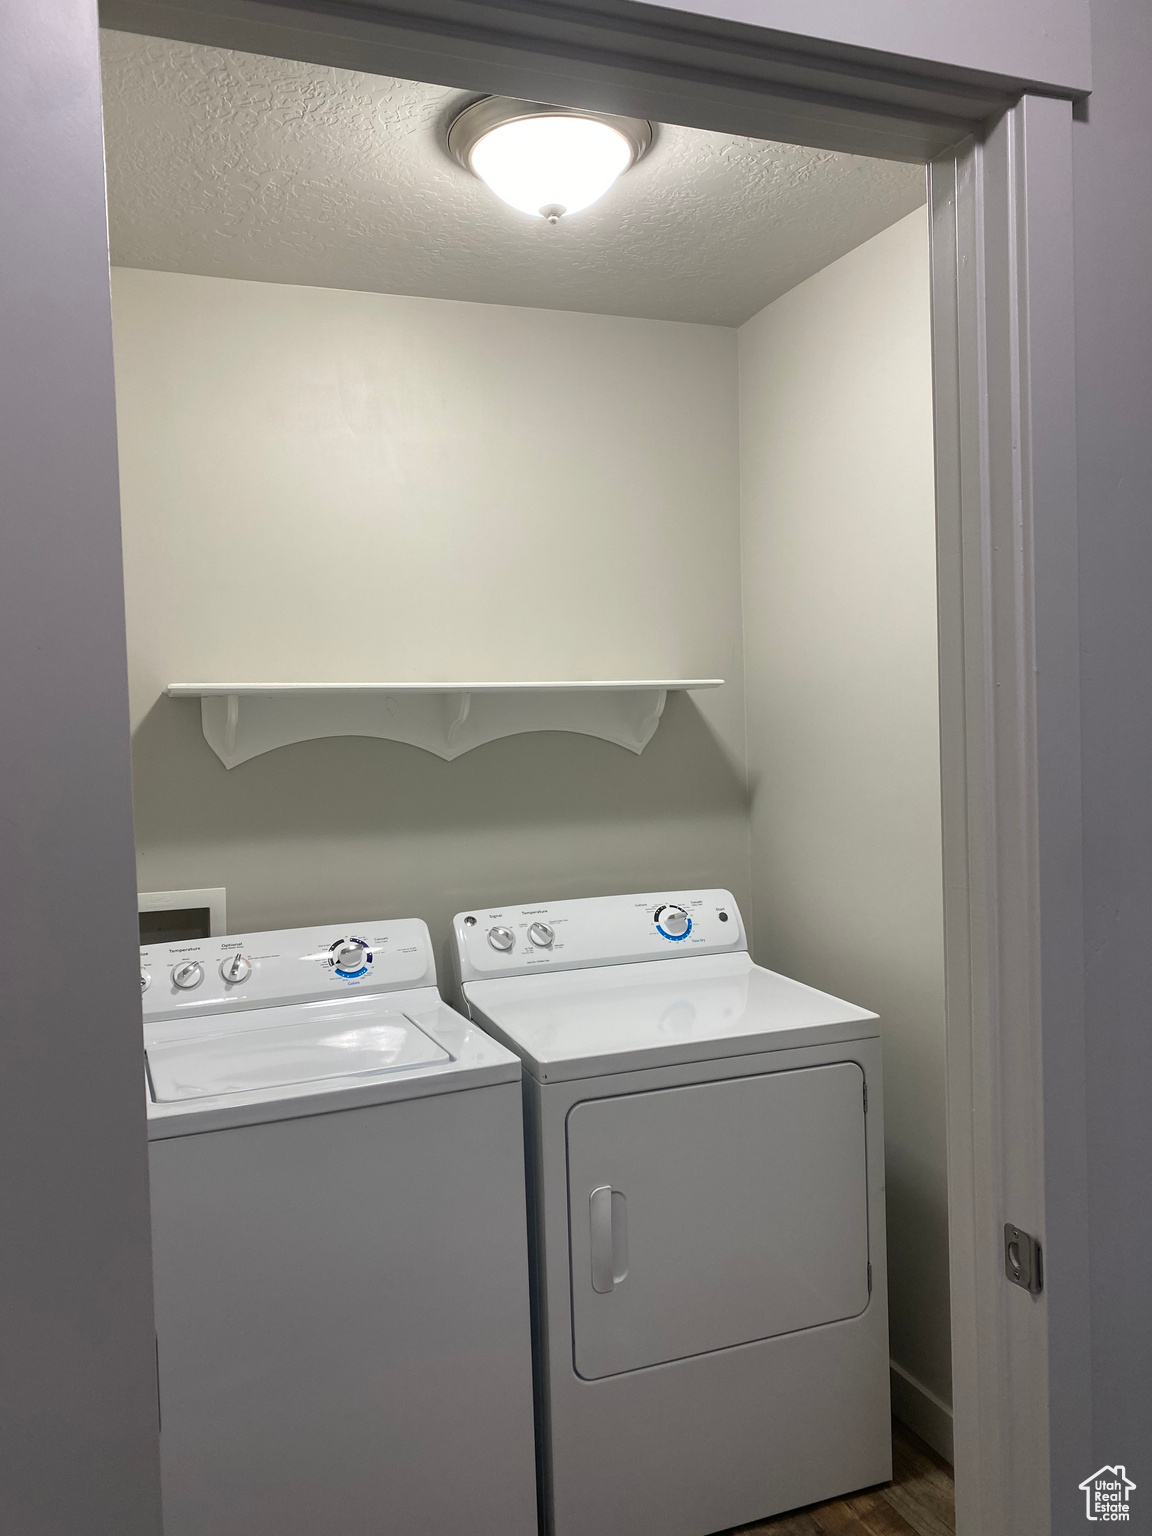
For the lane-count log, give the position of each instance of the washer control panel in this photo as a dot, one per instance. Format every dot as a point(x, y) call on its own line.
point(601, 930)
point(291, 965)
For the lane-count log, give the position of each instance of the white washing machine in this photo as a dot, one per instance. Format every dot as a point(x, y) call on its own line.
point(706, 1198)
point(341, 1269)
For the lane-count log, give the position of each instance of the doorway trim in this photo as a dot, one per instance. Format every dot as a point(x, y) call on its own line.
point(1000, 179)
point(1002, 275)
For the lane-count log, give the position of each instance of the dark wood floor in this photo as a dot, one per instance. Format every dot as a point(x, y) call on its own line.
point(917, 1502)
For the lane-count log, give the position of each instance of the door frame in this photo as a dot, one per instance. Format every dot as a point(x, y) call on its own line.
point(1001, 222)
point(1000, 199)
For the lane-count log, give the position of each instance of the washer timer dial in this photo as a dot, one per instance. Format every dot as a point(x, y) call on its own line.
point(350, 958)
point(673, 922)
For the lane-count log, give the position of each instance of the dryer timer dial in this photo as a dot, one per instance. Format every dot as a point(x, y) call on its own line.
point(673, 921)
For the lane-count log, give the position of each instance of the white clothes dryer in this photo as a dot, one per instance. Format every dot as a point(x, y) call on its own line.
point(341, 1269)
point(706, 1198)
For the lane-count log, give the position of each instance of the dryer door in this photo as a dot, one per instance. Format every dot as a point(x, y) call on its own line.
point(716, 1214)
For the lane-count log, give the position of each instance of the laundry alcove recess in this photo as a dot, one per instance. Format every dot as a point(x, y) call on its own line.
point(242, 720)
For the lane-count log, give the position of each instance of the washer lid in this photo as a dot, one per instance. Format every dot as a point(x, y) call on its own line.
point(617, 1018)
point(334, 1044)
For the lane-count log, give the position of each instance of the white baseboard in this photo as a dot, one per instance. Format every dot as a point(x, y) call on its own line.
point(918, 1407)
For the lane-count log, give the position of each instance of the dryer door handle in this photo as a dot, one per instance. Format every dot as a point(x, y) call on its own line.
point(608, 1230)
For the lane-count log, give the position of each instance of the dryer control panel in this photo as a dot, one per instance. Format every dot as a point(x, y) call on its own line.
point(598, 930)
point(288, 965)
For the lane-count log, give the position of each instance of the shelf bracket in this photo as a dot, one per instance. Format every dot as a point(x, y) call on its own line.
point(458, 720)
point(231, 724)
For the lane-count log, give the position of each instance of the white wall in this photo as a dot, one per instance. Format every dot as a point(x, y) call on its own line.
point(843, 744)
point(327, 485)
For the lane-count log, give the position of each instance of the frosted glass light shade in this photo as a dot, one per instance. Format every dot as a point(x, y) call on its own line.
point(551, 166)
point(547, 162)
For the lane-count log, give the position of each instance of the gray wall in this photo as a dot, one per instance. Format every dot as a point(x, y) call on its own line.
point(838, 543)
point(1113, 163)
point(77, 1364)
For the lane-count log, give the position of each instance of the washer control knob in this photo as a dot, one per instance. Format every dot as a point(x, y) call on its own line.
point(145, 979)
point(235, 968)
point(501, 938)
point(673, 922)
point(351, 956)
point(541, 935)
point(188, 974)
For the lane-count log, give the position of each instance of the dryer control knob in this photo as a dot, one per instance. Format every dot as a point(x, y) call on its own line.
point(188, 974)
point(673, 922)
point(235, 968)
point(541, 935)
point(501, 938)
point(145, 979)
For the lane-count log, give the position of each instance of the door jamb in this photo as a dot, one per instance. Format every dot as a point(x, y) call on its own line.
point(1003, 341)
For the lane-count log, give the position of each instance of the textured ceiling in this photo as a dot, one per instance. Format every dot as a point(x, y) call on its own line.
point(235, 165)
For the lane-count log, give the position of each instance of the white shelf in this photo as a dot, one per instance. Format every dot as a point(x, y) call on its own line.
point(242, 720)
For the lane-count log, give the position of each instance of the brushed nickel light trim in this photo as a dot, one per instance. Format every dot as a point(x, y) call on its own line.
point(469, 126)
point(472, 125)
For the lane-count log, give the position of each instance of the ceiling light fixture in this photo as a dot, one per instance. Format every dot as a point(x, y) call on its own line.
point(546, 161)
